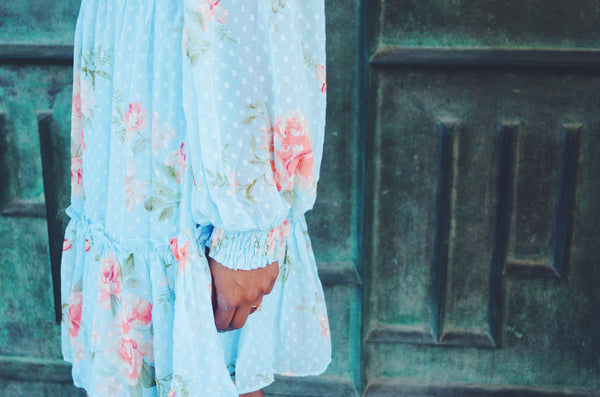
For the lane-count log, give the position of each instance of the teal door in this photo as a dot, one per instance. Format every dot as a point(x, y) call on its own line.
point(455, 227)
point(483, 263)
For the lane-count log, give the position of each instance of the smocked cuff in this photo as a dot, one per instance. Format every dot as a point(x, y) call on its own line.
point(248, 250)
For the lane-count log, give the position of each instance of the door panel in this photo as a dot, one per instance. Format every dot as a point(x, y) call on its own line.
point(482, 179)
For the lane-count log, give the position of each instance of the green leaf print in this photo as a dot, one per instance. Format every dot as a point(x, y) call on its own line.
point(169, 171)
point(197, 46)
point(289, 196)
point(154, 202)
point(163, 198)
point(163, 385)
point(135, 391)
point(140, 145)
point(225, 34)
point(148, 375)
point(129, 265)
point(248, 192)
point(65, 313)
point(114, 305)
point(93, 60)
point(132, 283)
point(249, 120)
point(166, 213)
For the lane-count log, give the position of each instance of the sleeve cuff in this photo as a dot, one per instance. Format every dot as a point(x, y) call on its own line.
point(248, 250)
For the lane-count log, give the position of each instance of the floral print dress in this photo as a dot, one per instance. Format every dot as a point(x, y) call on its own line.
point(197, 125)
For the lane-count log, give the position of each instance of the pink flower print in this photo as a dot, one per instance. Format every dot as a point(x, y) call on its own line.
point(75, 310)
point(77, 177)
point(217, 236)
point(211, 9)
point(161, 135)
point(322, 77)
point(132, 359)
point(111, 387)
point(135, 191)
point(109, 281)
point(82, 142)
point(266, 142)
point(76, 122)
point(233, 182)
point(324, 325)
point(139, 311)
point(87, 245)
point(277, 238)
point(178, 160)
point(292, 133)
point(87, 99)
point(181, 254)
point(67, 244)
point(185, 41)
point(80, 351)
point(135, 118)
point(171, 393)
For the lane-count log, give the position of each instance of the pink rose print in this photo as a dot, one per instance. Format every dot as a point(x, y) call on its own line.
point(109, 281)
point(171, 393)
point(277, 237)
point(177, 159)
point(217, 236)
point(211, 9)
point(324, 325)
point(76, 122)
point(161, 135)
point(181, 254)
point(138, 313)
point(295, 159)
point(132, 359)
point(87, 99)
point(266, 142)
point(135, 191)
point(135, 119)
point(67, 245)
point(75, 309)
point(322, 77)
point(232, 180)
point(77, 177)
point(87, 245)
point(111, 387)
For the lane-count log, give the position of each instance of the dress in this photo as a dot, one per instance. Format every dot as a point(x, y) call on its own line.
point(196, 124)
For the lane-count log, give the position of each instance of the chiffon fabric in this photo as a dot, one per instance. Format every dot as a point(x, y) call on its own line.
point(197, 126)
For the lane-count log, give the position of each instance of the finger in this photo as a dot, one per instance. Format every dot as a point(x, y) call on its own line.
point(269, 288)
point(240, 317)
point(223, 317)
point(274, 267)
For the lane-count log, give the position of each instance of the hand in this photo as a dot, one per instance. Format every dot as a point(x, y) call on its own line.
point(235, 292)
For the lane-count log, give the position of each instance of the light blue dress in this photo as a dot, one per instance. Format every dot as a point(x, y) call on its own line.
point(196, 125)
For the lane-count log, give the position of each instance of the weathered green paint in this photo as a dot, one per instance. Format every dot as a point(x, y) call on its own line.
point(502, 311)
point(507, 23)
point(38, 21)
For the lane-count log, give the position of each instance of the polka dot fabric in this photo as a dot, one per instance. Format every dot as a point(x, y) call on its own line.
point(197, 126)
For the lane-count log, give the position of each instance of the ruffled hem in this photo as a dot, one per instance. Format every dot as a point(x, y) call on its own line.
point(138, 320)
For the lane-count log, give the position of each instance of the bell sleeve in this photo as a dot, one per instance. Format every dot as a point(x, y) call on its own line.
point(255, 96)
